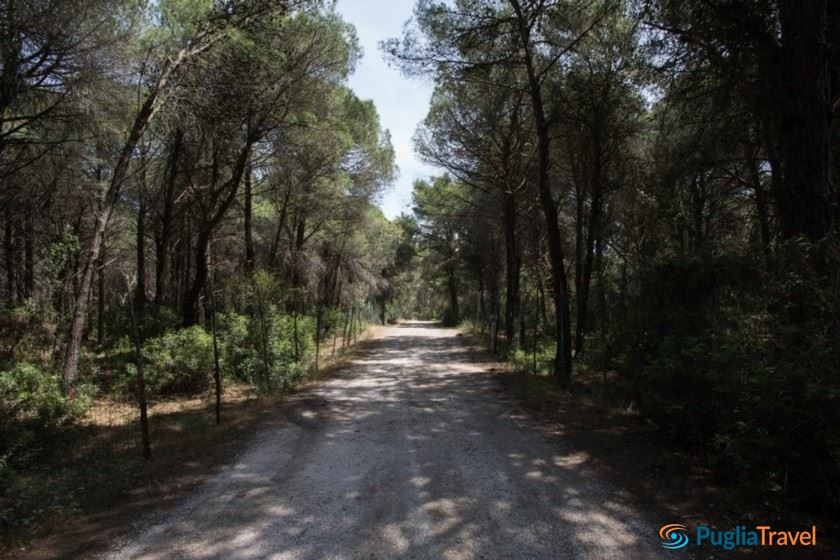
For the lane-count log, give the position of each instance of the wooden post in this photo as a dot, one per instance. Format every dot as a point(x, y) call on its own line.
point(141, 380)
point(217, 370)
point(318, 311)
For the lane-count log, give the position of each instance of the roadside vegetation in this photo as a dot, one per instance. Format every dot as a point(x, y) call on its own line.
point(188, 223)
point(638, 204)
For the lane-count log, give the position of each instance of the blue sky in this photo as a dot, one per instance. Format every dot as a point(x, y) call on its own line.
point(402, 102)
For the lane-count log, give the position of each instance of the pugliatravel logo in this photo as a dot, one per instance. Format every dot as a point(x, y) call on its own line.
point(676, 536)
point(673, 536)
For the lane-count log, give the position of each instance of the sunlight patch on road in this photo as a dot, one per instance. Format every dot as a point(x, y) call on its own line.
point(571, 460)
point(420, 481)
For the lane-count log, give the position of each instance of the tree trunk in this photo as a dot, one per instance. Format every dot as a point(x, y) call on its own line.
point(261, 311)
point(319, 313)
point(593, 231)
point(513, 265)
point(145, 115)
point(803, 120)
point(295, 334)
point(541, 300)
point(9, 252)
point(760, 195)
point(140, 291)
point(165, 233)
point(217, 370)
point(454, 315)
point(141, 121)
point(189, 306)
point(481, 311)
point(249, 237)
point(601, 297)
point(136, 319)
point(29, 254)
point(100, 300)
point(563, 354)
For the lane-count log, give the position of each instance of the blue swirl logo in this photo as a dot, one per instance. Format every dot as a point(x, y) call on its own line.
point(673, 536)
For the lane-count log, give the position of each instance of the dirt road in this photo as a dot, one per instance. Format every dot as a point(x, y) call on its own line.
point(413, 452)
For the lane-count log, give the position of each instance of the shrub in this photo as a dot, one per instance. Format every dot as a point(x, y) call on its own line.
point(176, 363)
point(238, 347)
point(747, 369)
point(32, 397)
point(287, 354)
point(688, 387)
point(331, 319)
point(291, 346)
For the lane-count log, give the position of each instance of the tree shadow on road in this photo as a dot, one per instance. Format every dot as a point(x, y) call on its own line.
point(411, 453)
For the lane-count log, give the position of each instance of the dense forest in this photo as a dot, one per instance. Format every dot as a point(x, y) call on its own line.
point(643, 194)
point(639, 201)
point(183, 182)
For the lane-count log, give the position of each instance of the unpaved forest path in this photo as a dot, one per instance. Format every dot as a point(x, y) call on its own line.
point(412, 452)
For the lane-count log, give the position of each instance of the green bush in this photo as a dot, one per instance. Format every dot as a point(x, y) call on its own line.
point(238, 347)
point(176, 363)
point(291, 352)
point(740, 357)
point(688, 387)
point(331, 319)
point(286, 355)
point(523, 359)
point(32, 397)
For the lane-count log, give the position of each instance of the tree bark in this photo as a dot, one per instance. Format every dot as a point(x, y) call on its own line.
point(249, 236)
point(563, 354)
point(144, 116)
point(29, 254)
point(100, 300)
point(136, 319)
point(217, 370)
point(140, 290)
point(593, 231)
point(513, 266)
point(761, 207)
point(165, 232)
point(189, 307)
point(150, 107)
point(803, 120)
point(454, 315)
point(9, 253)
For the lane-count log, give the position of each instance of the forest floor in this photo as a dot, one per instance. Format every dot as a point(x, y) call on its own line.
point(675, 482)
point(420, 447)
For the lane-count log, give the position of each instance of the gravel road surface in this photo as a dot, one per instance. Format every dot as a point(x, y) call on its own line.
point(412, 452)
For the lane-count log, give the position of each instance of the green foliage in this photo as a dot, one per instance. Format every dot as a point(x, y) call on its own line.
point(685, 386)
point(32, 411)
point(540, 363)
point(290, 348)
point(239, 354)
point(58, 259)
point(157, 320)
point(331, 318)
point(27, 333)
point(292, 345)
point(176, 363)
point(179, 362)
point(751, 375)
point(33, 398)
